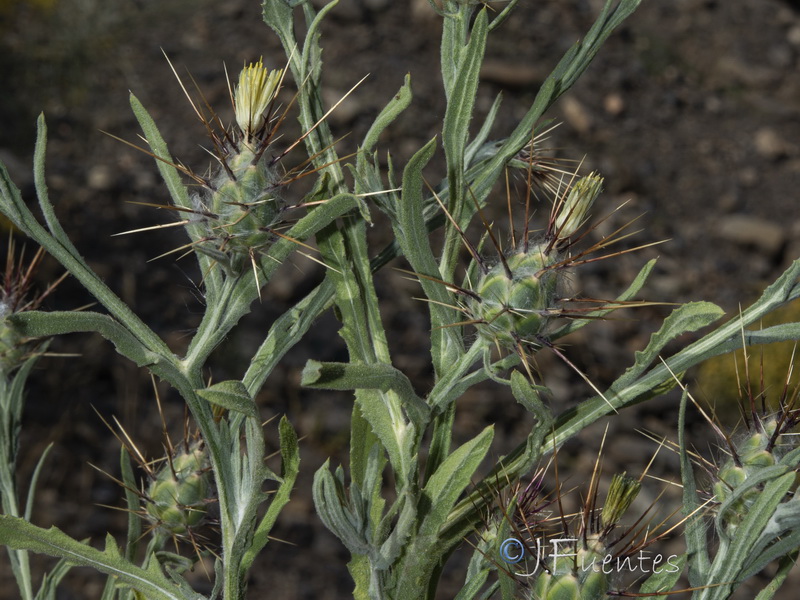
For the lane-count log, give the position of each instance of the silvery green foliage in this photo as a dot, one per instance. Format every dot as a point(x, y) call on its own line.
point(398, 546)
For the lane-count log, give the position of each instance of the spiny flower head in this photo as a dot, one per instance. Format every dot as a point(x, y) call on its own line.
point(512, 302)
point(571, 557)
point(177, 498)
point(234, 215)
point(513, 299)
point(767, 450)
point(556, 554)
point(764, 445)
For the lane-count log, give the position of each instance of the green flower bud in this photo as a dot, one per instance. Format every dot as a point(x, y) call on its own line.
point(575, 209)
point(621, 494)
point(12, 346)
point(180, 493)
point(594, 584)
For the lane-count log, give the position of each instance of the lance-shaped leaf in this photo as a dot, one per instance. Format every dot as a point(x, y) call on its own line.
point(290, 467)
point(348, 519)
point(45, 324)
point(695, 532)
point(18, 533)
point(685, 319)
point(376, 376)
point(728, 565)
point(230, 395)
point(451, 479)
point(664, 578)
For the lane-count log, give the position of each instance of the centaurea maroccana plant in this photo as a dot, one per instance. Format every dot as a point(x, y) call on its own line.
point(408, 497)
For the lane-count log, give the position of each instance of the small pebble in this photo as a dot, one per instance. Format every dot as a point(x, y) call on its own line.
point(576, 114)
point(770, 144)
point(747, 230)
point(614, 104)
point(100, 178)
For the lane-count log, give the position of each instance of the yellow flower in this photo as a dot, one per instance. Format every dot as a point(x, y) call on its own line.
point(256, 90)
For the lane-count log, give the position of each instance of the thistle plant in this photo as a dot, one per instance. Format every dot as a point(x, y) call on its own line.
point(408, 497)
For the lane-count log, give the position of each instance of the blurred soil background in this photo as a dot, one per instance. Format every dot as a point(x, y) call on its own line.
point(691, 112)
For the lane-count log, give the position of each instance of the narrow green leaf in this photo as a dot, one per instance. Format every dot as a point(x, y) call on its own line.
point(46, 324)
point(787, 545)
point(11, 199)
point(177, 191)
point(450, 480)
point(664, 578)
point(529, 396)
point(361, 572)
point(346, 522)
point(34, 480)
point(694, 530)
point(455, 128)
point(455, 30)
point(290, 467)
point(785, 566)
point(133, 505)
point(473, 585)
point(284, 333)
point(455, 133)
point(411, 232)
point(40, 182)
point(278, 16)
point(387, 424)
point(230, 395)
point(412, 235)
point(51, 580)
point(479, 142)
point(685, 319)
point(441, 438)
point(376, 376)
point(164, 161)
point(18, 533)
point(396, 541)
point(728, 564)
point(390, 112)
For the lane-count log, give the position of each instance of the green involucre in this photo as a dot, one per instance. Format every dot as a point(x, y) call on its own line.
point(178, 497)
point(516, 308)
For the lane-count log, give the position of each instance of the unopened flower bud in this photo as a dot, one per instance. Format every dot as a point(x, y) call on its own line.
point(179, 495)
point(621, 494)
point(575, 208)
point(256, 90)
